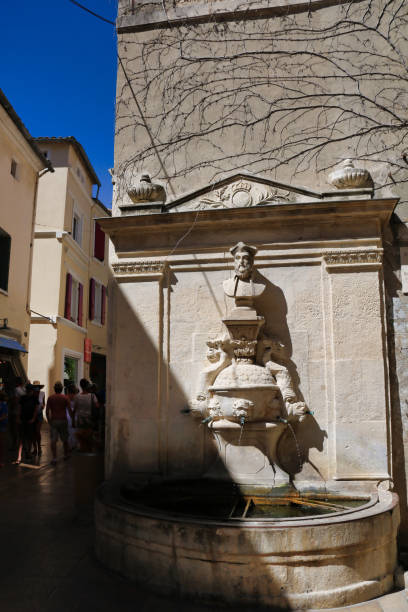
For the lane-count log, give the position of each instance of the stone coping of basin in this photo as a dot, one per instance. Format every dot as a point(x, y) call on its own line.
point(242, 388)
point(109, 494)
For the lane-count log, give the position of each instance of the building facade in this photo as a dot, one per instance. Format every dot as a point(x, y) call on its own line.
point(21, 164)
point(70, 271)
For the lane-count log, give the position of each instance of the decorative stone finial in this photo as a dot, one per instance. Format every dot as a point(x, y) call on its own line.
point(346, 176)
point(146, 191)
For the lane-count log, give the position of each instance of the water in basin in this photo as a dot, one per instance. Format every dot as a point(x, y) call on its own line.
point(220, 501)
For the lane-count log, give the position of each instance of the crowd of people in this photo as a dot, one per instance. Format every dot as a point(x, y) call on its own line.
point(75, 417)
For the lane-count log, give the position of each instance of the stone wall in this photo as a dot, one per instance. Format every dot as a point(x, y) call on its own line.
point(284, 96)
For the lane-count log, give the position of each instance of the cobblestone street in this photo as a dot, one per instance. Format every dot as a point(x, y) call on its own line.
point(48, 562)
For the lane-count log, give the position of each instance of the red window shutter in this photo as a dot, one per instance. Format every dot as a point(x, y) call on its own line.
point(68, 293)
point(99, 246)
point(80, 303)
point(92, 299)
point(103, 305)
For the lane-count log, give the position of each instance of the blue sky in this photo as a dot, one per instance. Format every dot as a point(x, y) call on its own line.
point(58, 69)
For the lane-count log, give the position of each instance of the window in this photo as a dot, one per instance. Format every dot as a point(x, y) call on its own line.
point(5, 246)
point(74, 297)
point(80, 175)
point(97, 302)
point(71, 368)
point(77, 228)
point(13, 168)
point(99, 242)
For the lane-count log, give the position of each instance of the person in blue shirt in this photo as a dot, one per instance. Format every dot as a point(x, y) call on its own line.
point(3, 427)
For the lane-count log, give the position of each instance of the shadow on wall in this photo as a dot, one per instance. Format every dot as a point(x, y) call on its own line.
point(397, 315)
point(294, 447)
point(143, 447)
point(276, 326)
point(295, 443)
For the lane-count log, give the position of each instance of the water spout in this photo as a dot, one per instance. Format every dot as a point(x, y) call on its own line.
point(242, 421)
point(282, 420)
point(207, 420)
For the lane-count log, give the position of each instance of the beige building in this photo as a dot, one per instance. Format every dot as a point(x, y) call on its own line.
point(21, 165)
point(70, 271)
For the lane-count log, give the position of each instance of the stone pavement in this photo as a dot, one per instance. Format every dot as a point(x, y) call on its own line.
point(47, 561)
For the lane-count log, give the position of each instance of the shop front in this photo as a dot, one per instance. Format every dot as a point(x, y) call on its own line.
point(10, 363)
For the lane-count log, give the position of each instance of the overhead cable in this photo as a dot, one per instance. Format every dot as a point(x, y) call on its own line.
point(84, 8)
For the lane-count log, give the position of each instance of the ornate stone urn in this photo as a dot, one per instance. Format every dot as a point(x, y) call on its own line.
point(146, 191)
point(346, 176)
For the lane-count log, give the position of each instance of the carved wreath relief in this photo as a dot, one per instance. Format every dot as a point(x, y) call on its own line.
point(240, 194)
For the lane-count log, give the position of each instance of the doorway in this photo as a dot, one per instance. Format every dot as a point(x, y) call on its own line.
point(97, 370)
point(72, 369)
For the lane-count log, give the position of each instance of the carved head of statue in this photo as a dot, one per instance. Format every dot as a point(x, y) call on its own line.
point(243, 260)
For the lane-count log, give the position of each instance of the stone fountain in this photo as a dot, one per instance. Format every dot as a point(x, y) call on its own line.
point(280, 492)
point(245, 397)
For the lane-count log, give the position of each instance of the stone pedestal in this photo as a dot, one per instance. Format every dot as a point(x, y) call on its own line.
point(247, 456)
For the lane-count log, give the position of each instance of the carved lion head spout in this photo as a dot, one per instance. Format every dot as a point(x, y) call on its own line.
point(243, 260)
point(241, 407)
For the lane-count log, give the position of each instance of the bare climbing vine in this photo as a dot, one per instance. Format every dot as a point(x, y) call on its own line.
point(278, 96)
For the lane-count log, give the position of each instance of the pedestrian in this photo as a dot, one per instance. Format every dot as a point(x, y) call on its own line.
point(3, 427)
point(56, 412)
point(71, 393)
point(85, 407)
point(40, 418)
point(14, 411)
point(26, 422)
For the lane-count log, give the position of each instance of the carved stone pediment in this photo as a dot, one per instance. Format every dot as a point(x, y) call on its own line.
point(240, 191)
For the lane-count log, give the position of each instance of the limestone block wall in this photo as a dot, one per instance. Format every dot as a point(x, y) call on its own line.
point(285, 95)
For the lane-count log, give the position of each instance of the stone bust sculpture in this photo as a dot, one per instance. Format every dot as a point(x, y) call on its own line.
point(241, 286)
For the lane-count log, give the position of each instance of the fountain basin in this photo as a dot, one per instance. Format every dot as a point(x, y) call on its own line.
point(309, 561)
